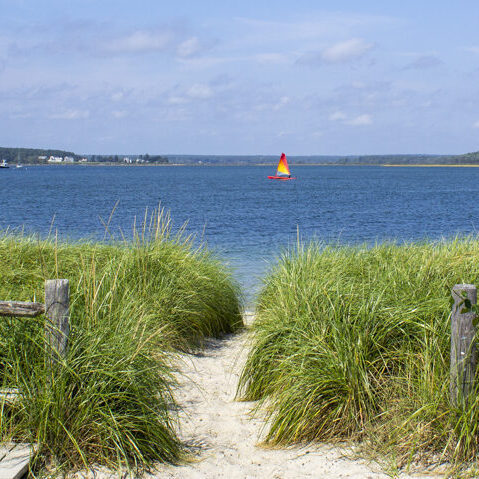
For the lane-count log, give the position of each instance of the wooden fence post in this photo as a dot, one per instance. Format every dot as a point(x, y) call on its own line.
point(463, 347)
point(57, 327)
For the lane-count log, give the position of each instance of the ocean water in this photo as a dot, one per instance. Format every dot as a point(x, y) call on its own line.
point(237, 211)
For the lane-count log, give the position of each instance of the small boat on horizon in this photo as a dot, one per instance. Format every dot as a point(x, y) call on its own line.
point(4, 164)
point(282, 172)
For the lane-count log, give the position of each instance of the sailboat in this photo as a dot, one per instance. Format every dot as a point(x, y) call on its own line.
point(282, 172)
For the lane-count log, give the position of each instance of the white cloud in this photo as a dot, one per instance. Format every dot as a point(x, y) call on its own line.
point(70, 115)
point(139, 42)
point(283, 101)
point(311, 28)
point(21, 116)
point(188, 48)
point(346, 51)
point(341, 52)
point(360, 120)
point(168, 40)
point(271, 58)
point(117, 96)
point(206, 62)
point(358, 85)
point(424, 62)
point(177, 100)
point(119, 114)
point(476, 125)
point(200, 91)
point(337, 116)
point(197, 91)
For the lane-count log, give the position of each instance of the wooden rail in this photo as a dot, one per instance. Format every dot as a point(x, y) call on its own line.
point(56, 309)
point(21, 308)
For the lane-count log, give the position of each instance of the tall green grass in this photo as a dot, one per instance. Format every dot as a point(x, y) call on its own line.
point(133, 305)
point(353, 343)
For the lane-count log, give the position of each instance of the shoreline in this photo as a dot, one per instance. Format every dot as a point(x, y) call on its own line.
point(435, 165)
point(196, 165)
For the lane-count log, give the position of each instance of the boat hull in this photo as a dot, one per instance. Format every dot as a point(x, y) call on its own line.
point(282, 178)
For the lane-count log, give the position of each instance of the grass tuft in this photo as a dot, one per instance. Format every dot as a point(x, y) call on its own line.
point(352, 343)
point(133, 306)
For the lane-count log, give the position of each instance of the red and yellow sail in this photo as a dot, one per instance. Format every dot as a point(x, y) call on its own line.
point(283, 168)
point(282, 172)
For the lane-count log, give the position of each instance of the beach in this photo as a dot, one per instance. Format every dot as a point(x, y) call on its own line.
point(225, 438)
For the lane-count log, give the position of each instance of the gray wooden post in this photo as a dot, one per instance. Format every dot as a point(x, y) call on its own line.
point(463, 347)
point(57, 327)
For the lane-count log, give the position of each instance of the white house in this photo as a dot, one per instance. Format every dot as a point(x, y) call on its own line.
point(55, 159)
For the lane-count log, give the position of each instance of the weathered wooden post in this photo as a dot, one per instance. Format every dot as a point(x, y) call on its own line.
point(57, 327)
point(463, 347)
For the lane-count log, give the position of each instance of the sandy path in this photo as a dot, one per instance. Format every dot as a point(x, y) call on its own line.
point(224, 436)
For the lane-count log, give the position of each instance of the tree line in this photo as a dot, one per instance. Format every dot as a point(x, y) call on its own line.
point(146, 158)
point(30, 155)
point(40, 156)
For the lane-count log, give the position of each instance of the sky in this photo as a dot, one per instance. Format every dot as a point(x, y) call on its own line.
point(240, 78)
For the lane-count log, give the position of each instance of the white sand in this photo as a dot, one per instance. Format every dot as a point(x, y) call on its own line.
point(224, 436)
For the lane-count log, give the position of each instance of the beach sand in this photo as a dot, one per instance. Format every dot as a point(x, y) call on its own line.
point(224, 436)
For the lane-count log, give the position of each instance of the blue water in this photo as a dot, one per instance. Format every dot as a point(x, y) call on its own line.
point(240, 213)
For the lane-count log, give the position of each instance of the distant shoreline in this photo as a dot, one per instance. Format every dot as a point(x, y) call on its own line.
point(30, 156)
point(294, 165)
point(438, 165)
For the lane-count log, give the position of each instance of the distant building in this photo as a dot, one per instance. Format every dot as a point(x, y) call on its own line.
point(84, 160)
point(68, 159)
point(42, 157)
point(55, 159)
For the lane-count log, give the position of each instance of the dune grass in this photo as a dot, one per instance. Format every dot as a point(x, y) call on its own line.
point(133, 306)
point(352, 343)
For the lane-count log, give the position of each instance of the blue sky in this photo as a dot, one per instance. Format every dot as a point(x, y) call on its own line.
point(249, 77)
